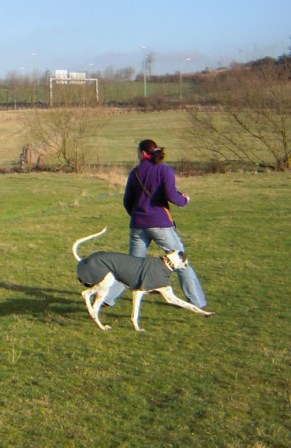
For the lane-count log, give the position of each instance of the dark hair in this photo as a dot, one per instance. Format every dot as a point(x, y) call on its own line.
point(152, 149)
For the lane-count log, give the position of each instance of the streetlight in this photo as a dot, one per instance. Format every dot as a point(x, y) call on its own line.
point(144, 73)
point(86, 68)
point(15, 86)
point(184, 60)
point(34, 76)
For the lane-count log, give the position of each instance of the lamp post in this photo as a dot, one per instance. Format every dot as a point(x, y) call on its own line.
point(34, 77)
point(15, 81)
point(181, 66)
point(92, 79)
point(144, 73)
point(86, 69)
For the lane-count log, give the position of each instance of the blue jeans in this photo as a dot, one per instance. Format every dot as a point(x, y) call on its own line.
point(168, 239)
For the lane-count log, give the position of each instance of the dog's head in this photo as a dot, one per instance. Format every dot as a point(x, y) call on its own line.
point(176, 259)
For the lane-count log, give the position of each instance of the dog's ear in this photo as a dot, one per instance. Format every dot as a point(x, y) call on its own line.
point(169, 251)
point(183, 255)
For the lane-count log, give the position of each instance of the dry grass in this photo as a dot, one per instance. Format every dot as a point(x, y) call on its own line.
point(115, 177)
point(116, 141)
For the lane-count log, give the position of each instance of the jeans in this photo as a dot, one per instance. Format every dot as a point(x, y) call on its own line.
point(168, 239)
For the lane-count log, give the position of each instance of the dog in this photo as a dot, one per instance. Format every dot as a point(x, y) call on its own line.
point(100, 270)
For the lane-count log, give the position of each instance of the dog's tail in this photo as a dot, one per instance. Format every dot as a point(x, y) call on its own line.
point(80, 241)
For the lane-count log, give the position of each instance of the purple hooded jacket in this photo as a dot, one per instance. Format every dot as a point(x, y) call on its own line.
point(149, 189)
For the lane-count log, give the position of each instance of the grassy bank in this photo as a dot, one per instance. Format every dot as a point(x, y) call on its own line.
point(187, 381)
point(115, 142)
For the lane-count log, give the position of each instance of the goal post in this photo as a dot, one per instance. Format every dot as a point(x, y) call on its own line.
point(73, 78)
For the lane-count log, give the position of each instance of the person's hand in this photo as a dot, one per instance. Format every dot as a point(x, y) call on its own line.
point(187, 197)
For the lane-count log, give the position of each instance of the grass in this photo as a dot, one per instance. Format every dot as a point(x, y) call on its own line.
point(12, 136)
point(117, 140)
point(187, 381)
point(116, 144)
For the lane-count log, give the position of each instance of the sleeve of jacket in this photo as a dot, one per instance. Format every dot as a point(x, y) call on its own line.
point(170, 190)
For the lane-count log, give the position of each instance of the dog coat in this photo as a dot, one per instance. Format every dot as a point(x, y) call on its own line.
point(134, 272)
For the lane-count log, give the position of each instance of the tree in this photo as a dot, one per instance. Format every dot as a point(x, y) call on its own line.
point(149, 62)
point(60, 135)
point(125, 74)
point(253, 119)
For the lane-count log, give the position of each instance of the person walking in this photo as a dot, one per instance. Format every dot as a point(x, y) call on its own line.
point(150, 187)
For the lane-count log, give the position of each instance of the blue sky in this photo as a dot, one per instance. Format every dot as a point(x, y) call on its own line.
point(94, 35)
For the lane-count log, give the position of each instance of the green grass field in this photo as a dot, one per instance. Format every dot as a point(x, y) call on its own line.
point(116, 142)
point(186, 382)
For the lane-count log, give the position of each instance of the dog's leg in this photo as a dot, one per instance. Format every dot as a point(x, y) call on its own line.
point(102, 290)
point(98, 292)
point(88, 295)
point(168, 293)
point(96, 307)
point(137, 296)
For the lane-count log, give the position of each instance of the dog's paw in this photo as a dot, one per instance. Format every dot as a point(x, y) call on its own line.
point(212, 314)
point(101, 326)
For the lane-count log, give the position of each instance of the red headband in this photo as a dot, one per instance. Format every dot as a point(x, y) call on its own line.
point(147, 156)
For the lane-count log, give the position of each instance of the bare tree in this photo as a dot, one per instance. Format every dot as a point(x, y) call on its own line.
point(61, 135)
point(125, 74)
point(149, 62)
point(253, 118)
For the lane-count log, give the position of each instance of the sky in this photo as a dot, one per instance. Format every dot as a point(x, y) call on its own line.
point(182, 35)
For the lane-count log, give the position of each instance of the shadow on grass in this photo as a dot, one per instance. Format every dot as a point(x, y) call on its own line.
point(41, 301)
point(148, 311)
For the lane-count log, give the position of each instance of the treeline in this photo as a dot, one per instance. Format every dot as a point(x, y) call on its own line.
point(118, 88)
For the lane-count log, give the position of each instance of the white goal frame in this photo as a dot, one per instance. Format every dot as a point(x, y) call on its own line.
point(69, 80)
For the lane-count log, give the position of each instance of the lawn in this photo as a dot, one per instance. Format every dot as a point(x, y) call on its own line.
point(117, 140)
point(187, 381)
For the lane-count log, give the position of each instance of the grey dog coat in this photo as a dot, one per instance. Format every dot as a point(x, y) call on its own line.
point(134, 272)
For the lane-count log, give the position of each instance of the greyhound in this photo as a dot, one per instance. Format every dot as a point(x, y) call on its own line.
point(100, 270)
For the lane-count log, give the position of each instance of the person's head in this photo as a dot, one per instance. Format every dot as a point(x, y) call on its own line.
point(149, 150)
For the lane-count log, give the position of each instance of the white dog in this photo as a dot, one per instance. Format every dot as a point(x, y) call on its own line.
point(141, 275)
